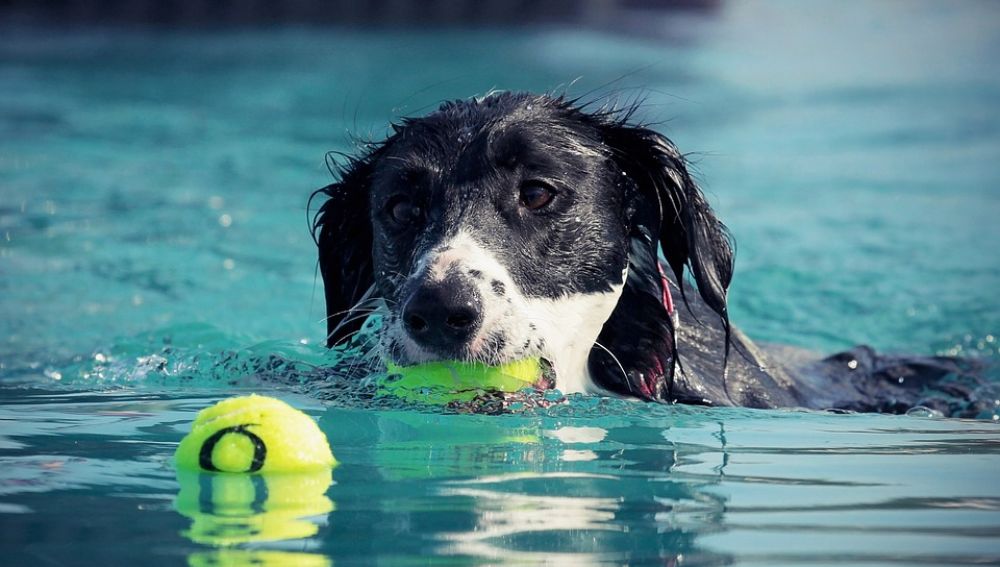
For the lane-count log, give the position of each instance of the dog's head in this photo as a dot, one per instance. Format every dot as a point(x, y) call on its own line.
point(516, 226)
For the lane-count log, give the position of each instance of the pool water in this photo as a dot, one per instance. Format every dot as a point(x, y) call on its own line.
point(155, 258)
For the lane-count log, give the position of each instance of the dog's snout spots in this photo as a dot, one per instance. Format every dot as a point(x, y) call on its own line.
point(499, 341)
point(475, 274)
point(498, 287)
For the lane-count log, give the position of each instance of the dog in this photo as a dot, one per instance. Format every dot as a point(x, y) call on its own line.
point(518, 225)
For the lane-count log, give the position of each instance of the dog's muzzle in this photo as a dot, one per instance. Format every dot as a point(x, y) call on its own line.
point(443, 316)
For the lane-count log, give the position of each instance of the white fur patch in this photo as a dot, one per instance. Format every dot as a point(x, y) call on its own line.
point(570, 326)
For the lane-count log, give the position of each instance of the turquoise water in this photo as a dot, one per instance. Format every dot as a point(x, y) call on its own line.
point(154, 255)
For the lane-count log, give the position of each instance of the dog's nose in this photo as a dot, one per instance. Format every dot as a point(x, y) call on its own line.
point(443, 315)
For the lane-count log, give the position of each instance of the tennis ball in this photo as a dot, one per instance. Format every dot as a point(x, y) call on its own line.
point(254, 434)
point(447, 381)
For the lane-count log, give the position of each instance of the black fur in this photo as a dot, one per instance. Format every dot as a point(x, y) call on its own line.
point(666, 208)
point(343, 236)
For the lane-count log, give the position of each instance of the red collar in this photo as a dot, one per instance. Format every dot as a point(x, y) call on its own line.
point(649, 381)
point(668, 301)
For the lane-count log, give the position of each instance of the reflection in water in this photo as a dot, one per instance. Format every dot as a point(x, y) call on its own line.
point(263, 557)
point(233, 509)
point(532, 490)
point(504, 516)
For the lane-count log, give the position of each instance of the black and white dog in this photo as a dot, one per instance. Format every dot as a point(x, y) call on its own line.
point(520, 225)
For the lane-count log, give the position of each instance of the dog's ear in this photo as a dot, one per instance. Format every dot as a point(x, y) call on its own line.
point(343, 233)
point(666, 205)
point(663, 209)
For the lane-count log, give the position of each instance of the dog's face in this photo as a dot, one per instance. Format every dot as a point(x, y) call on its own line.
point(498, 235)
point(498, 229)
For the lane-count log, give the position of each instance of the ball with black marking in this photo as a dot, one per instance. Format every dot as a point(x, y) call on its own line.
point(254, 434)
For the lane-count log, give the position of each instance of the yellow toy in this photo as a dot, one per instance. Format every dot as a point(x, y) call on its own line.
point(444, 382)
point(254, 434)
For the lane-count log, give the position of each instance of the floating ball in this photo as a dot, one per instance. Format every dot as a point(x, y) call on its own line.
point(446, 381)
point(254, 434)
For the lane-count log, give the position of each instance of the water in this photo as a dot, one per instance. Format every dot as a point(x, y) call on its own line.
point(86, 478)
point(154, 255)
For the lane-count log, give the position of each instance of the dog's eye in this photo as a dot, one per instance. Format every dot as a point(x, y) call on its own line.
point(404, 211)
point(535, 195)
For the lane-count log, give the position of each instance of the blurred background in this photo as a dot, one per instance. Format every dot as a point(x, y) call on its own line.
point(156, 157)
point(374, 13)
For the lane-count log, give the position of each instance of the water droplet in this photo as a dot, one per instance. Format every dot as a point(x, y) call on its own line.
point(225, 221)
point(852, 364)
point(923, 411)
point(229, 263)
